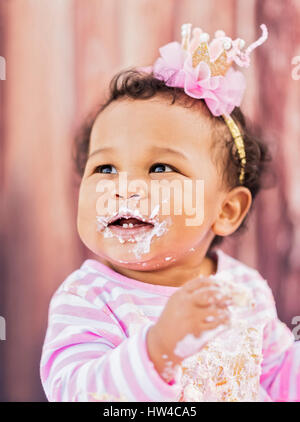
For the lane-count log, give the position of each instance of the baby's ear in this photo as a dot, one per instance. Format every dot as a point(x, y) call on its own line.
point(233, 211)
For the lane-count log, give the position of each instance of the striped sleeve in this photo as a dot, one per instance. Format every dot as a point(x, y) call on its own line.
point(87, 357)
point(280, 376)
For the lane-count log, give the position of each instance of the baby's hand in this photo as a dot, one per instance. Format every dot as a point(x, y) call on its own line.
point(195, 308)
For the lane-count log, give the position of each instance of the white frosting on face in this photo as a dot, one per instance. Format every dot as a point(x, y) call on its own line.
point(154, 212)
point(142, 241)
point(103, 221)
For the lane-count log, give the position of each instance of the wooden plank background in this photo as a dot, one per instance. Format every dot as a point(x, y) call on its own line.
point(60, 55)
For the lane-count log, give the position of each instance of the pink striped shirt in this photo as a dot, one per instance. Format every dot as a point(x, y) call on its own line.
point(95, 344)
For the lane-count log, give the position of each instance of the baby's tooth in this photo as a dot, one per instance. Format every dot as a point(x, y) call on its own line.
point(125, 225)
point(130, 225)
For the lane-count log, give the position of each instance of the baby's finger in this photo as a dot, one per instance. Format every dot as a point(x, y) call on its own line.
point(213, 325)
point(214, 317)
point(199, 283)
point(210, 296)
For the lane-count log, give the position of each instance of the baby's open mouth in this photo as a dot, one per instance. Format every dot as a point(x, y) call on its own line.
point(130, 227)
point(129, 223)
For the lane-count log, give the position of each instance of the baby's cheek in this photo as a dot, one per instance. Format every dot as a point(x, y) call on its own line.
point(212, 201)
point(198, 206)
point(87, 201)
point(193, 203)
point(202, 201)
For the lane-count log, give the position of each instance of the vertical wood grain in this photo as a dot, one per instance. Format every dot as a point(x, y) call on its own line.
point(277, 108)
point(39, 210)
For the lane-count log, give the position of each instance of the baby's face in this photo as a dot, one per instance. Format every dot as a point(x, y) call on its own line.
point(173, 195)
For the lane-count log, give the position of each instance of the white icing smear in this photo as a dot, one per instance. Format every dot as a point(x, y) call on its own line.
point(155, 211)
point(190, 344)
point(103, 221)
point(225, 365)
point(171, 372)
point(142, 241)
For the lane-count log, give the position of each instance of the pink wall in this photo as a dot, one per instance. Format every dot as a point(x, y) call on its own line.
point(60, 55)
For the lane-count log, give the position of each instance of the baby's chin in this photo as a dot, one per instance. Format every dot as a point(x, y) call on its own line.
point(144, 253)
point(151, 264)
point(147, 249)
point(159, 256)
point(133, 256)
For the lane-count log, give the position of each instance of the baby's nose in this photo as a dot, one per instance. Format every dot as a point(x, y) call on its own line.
point(137, 195)
point(133, 192)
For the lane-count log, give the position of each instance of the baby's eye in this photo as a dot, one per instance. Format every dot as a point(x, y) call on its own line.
point(105, 168)
point(161, 166)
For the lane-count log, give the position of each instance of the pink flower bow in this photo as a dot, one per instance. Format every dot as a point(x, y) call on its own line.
point(221, 93)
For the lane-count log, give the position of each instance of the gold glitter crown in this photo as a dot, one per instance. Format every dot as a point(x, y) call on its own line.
point(218, 67)
point(218, 54)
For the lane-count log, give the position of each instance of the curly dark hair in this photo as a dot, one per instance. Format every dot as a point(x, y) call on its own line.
point(136, 84)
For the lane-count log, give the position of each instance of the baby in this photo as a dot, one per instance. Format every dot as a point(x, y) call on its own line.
point(169, 168)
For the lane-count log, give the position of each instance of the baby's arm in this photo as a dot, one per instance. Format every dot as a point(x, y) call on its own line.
point(87, 357)
point(281, 363)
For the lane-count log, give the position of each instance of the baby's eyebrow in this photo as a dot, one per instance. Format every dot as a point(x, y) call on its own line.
point(155, 149)
point(100, 150)
point(170, 151)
